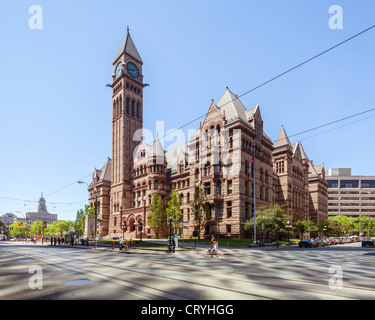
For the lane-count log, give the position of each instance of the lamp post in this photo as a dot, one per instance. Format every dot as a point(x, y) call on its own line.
point(288, 226)
point(324, 231)
point(170, 229)
point(140, 229)
point(123, 227)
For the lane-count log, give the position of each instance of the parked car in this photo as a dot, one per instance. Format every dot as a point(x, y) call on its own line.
point(355, 238)
point(338, 240)
point(306, 243)
point(367, 242)
point(332, 241)
point(319, 243)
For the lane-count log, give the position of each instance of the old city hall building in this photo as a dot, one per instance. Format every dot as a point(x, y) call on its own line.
point(218, 158)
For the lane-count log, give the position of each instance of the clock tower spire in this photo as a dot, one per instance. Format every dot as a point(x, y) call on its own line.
point(127, 123)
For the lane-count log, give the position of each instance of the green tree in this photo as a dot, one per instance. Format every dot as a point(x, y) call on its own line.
point(173, 210)
point(79, 223)
point(303, 226)
point(272, 217)
point(17, 229)
point(200, 210)
point(156, 219)
point(345, 224)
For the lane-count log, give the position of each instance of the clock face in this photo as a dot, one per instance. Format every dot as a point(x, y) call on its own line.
point(132, 69)
point(118, 70)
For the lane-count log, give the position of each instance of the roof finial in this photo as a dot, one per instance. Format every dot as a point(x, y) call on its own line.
point(127, 29)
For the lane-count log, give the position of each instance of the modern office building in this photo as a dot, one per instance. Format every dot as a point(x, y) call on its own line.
point(350, 195)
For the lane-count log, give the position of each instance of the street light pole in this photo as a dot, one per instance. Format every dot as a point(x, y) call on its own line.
point(170, 230)
point(96, 219)
point(140, 227)
point(288, 226)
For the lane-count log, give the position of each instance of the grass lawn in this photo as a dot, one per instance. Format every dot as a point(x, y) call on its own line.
point(223, 242)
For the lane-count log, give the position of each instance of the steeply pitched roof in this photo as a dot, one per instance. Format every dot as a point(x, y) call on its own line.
point(105, 174)
point(129, 47)
point(232, 106)
point(157, 149)
point(282, 139)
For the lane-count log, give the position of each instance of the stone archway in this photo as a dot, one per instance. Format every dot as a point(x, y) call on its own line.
point(131, 226)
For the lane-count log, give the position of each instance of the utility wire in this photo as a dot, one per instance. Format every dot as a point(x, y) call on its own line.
point(68, 185)
point(246, 93)
point(280, 75)
point(333, 122)
point(345, 125)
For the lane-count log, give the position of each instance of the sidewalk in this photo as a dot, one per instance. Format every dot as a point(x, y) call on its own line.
point(188, 247)
point(202, 249)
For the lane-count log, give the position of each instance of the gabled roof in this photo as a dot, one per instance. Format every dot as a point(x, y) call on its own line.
point(282, 139)
point(232, 106)
point(128, 47)
point(105, 174)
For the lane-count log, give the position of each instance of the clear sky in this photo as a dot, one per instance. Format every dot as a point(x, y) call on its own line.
point(55, 108)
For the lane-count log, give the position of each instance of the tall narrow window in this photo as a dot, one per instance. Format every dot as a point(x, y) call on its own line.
point(229, 209)
point(138, 110)
point(133, 108)
point(229, 187)
point(127, 105)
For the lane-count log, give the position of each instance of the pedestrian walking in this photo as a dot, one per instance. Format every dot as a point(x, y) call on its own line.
point(87, 241)
point(120, 244)
point(131, 243)
point(173, 245)
point(51, 241)
point(113, 244)
point(215, 249)
point(211, 243)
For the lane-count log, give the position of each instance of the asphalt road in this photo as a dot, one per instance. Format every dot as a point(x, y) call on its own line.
point(66, 273)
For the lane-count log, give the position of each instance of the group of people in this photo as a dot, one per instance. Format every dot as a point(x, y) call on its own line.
point(62, 240)
point(214, 247)
point(57, 240)
point(123, 244)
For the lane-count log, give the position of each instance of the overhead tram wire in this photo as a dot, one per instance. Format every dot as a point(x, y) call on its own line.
point(345, 125)
point(278, 76)
point(68, 185)
point(333, 122)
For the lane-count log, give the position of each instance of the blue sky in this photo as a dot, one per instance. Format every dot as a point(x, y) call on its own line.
point(55, 108)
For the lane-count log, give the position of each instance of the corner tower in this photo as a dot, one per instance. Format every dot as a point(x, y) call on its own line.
point(127, 123)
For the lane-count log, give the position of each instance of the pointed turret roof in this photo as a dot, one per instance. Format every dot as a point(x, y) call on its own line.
point(128, 47)
point(157, 149)
point(282, 139)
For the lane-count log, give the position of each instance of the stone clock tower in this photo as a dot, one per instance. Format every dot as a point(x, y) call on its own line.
point(127, 123)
